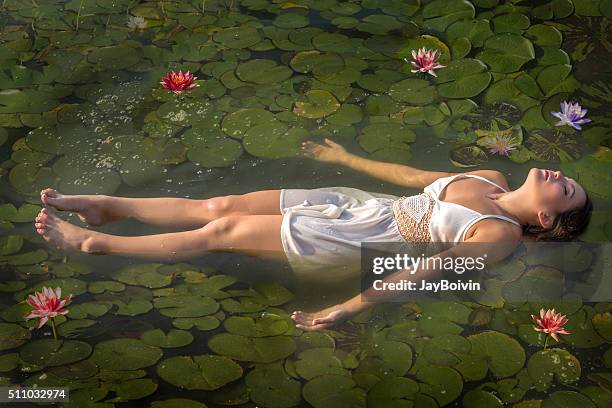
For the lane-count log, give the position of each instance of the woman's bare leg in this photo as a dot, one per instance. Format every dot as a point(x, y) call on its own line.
point(249, 234)
point(163, 211)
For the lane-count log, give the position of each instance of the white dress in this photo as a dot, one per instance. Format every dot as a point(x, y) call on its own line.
point(323, 228)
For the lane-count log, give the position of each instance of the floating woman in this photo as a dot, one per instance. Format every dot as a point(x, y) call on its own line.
point(317, 226)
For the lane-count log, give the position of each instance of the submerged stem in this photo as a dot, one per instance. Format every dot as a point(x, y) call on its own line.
point(53, 327)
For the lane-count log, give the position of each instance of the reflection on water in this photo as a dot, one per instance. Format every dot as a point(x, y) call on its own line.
point(81, 109)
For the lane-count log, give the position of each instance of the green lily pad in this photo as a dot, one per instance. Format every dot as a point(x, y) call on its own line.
point(545, 365)
point(9, 244)
point(320, 103)
point(267, 325)
point(13, 335)
point(143, 274)
point(49, 352)
point(314, 362)
point(439, 14)
point(83, 310)
point(188, 112)
point(464, 78)
point(203, 372)
point(567, 399)
point(103, 286)
point(493, 351)
point(12, 286)
point(212, 150)
point(178, 403)
point(262, 71)
point(476, 31)
point(202, 323)
point(271, 386)
point(442, 350)
point(272, 294)
point(9, 362)
point(237, 123)
point(125, 354)
point(333, 391)
point(480, 398)
point(264, 349)
point(394, 392)
point(274, 140)
point(413, 91)
point(237, 37)
point(132, 307)
point(186, 306)
point(69, 286)
point(603, 324)
point(174, 338)
point(389, 135)
point(442, 383)
point(506, 52)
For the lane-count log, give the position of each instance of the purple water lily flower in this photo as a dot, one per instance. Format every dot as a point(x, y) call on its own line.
point(571, 114)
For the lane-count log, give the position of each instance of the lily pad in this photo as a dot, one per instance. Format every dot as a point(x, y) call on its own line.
point(49, 352)
point(389, 135)
point(493, 351)
point(237, 37)
point(237, 123)
point(267, 325)
point(506, 52)
point(125, 354)
point(174, 338)
point(212, 150)
point(442, 383)
point(264, 349)
point(314, 362)
point(463, 78)
point(413, 91)
point(203, 372)
point(272, 387)
point(468, 156)
point(545, 365)
point(333, 391)
point(567, 399)
point(186, 306)
point(274, 140)
point(13, 335)
point(590, 172)
point(262, 71)
point(320, 103)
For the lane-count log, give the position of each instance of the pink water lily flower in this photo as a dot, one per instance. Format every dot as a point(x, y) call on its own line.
point(501, 144)
point(47, 304)
point(550, 322)
point(425, 60)
point(180, 82)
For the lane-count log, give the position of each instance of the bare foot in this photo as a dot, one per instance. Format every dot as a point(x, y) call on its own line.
point(61, 233)
point(91, 209)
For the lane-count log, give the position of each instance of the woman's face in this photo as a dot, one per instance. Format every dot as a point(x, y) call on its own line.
point(552, 194)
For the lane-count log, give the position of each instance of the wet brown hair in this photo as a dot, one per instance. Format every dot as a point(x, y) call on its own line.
point(566, 226)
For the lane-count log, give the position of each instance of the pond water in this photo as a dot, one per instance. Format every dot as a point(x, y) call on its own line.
point(82, 110)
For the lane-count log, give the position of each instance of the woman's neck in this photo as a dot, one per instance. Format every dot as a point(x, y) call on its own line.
point(513, 203)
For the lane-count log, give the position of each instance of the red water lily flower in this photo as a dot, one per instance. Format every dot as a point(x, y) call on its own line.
point(178, 83)
point(425, 61)
point(47, 304)
point(551, 323)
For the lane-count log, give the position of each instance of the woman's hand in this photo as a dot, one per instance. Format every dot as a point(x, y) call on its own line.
point(329, 151)
point(322, 319)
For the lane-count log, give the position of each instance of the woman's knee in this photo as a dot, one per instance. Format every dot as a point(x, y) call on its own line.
point(222, 206)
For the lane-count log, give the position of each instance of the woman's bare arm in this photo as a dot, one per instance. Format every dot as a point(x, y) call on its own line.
point(402, 175)
point(495, 242)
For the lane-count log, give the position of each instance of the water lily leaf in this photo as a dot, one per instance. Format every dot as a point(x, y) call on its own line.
point(493, 351)
point(468, 156)
point(83, 310)
point(442, 349)
point(476, 31)
point(462, 78)
point(413, 91)
point(272, 294)
point(510, 23)
point(103, 286)
point(274, 140)
point(237, 37)
point(603, 324)
point(506, 52)
point(390, 135)
point(204, 323)
point(114, 57)
point(49, 352)
point(290, 20)
point(567, 399)
point(13, 335)
point(320, 103)
point(11, 286)
point(174, 338)
point(75, 328)
point(132, 307)
point(314, 362)
point(71, 286)
point(188, 112)
point(442, 383)
point(545, 365)
point(264, 349)
point(10, 244)
point(549, 145)
point(177, 403)
point(439, 14)
point(8, 362)
point(210, 148)
point(272, 387)
point(186, 306)
point(393, 392)
point(26, 101)
point(480, 398)
point(237, 123)
point(335, 391)
point(267, 325)
point(551, 79)
point(203, 372)
point(125, 354)
point(262, 71)
point(580, 324)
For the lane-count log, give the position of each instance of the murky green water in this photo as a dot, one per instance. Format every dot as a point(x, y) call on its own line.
point(81, 109)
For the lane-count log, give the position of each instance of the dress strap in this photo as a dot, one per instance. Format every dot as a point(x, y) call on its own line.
point(485, 179)
point(485, 216)
point(436, 188)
